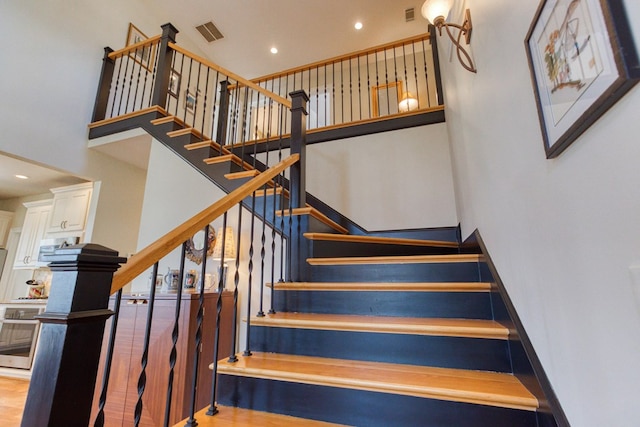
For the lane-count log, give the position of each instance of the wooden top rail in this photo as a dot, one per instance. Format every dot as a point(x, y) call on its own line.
point(379, 48)
point(133, 47)
point(241, 80)
point(161, 247)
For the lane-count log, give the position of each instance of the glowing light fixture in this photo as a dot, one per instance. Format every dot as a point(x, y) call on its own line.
point(358, 26)
point(436, 11)
point(21, 176)
point(274, 50)
point(407, 103)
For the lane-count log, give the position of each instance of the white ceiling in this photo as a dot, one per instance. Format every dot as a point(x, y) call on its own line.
point(41, 179)
point(304, 31)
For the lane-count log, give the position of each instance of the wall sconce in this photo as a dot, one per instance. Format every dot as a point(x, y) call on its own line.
point(435, 12)
point(229, 251)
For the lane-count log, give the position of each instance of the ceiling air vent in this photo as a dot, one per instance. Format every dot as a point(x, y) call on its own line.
point(210, 32)
point(409, 14)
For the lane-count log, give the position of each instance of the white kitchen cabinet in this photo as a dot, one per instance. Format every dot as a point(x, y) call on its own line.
point(5, 225)
point(34, 227)
point(70, 208)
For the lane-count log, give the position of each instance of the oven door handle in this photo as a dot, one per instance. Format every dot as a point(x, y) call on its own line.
point(20, 321)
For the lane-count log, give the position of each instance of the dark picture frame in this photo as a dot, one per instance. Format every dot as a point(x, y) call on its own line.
point(143, 55)
point(582, 60)
point(190, 101)
point(174, 83)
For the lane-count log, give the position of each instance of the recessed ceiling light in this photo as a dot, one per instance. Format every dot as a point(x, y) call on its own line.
point(358, 26)
point(21, 176)
point(274, 50)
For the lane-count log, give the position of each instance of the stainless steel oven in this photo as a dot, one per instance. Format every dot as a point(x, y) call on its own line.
point(18, 334)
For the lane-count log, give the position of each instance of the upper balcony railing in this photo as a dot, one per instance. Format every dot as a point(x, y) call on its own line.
point(387, 81)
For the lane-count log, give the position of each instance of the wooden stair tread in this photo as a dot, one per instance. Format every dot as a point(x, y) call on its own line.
point(386, 286)
point(228, 416)
point(185, 131)
point(168, 119)
point(409, 259)
point(379, 240)
point(207, 143)
point(478, 387)
point(315, 214)
point(244, 174)
point(152, 109)
point(470, 328)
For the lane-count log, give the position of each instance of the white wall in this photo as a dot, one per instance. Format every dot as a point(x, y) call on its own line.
point(175, 192)
point(388, 181)
point(563, 233)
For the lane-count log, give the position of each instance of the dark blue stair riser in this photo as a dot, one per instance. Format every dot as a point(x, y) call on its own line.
point(420, 272)
point(362, 408)
point(463, 305)
point(328, 249)
point(444, 352)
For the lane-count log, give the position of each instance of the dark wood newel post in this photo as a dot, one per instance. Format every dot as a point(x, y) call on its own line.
point(66, 363)
point(104, 86)
point(298, 190)
point(221, 131)
point(163, 73)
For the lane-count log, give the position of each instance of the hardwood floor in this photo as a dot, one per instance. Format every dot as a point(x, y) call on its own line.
point(13, 393)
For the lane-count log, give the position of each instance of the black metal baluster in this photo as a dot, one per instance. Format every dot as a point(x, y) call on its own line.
point(275, 193)
point(175, 112)
point(341, 92)
point(359, 89)
point(191, 422)
point(99, 422)
point(406, 78)
point(325, 95)
point(142, 379)
point(236, 281)
point(124, 83)
point(196, 92)
point(317, 97)
point(116, 91)
point(213, 409)
point(188, 91)
point(247, 348)
point(368, 88)
point(333, 91)
point(204, 103)
point(395, 74)
point(214, 107)
point(135, 93)
point(173, 355)
point(415, 73)
point(426, 73)
point(350, 92)
point(126, 107)
point(386, 80)
point(153, 81)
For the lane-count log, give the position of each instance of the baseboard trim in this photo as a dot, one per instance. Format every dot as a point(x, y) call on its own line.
point(552, 401)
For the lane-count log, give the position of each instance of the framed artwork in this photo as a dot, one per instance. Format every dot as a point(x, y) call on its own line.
point(190, 100)
point(174, 83)
point(143, 55)
point(582, 60)
point(385, 99)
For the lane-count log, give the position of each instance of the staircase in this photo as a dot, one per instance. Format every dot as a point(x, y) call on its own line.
point(402, 330)
point(382, 340)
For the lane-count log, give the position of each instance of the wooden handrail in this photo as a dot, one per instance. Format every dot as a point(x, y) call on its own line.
point(133, 47)
point(335, 59)
point(151, 254)
point(234, 76)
